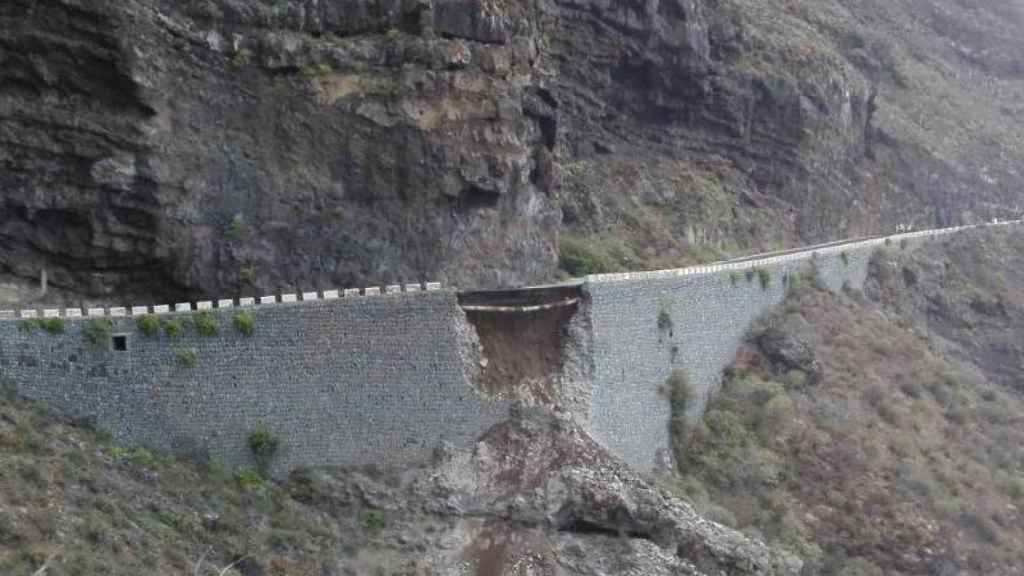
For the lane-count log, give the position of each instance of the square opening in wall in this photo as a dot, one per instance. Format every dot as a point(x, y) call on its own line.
point(120, 342)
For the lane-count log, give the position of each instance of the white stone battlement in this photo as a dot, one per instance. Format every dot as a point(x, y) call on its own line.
point(810, 252)
point(203, 305)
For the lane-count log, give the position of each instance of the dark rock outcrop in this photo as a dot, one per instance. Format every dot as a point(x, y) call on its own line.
point(172, 149)
point(208, 148)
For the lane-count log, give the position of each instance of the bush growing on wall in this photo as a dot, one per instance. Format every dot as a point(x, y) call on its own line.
point(98, 330)
point(173, 327)
point(765, 277)
point(51, 325)
point(243, 323)
point(149, 324)
point(187, 357)
point(29, 325)
point(263, 445)
point(206, 323)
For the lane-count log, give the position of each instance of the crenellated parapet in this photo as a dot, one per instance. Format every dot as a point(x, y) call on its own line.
point(268, 300)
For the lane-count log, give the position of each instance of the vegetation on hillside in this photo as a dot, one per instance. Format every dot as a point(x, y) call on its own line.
point(843, 435)
point(76, 502)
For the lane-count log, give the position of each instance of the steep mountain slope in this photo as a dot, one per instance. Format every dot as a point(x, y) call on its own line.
point(535, 497)
point(879, 435)
point(171, 149)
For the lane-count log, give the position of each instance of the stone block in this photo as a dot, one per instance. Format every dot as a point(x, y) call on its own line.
point(204, 305)
point(183, 307)
point(307, 296)
point(161, 309)
point(371, 291)
point(433, 286)
point(73, 312)
point(393, 289)
point(6, 314)
point(140, 310)
point(350, 292)
point(413, 287)
point(288, 298)
point(268, 299)
point(29, 314)
point(246, 302)
point(330, 294)
point(118, 311)
point(96, 312)
point(226, 303)
point(51, 313)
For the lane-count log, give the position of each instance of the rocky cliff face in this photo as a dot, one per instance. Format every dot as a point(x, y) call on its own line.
point(173, 149)
point(204, 147)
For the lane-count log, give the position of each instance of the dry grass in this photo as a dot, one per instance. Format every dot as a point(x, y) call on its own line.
point(82, 505)
point(894, 461)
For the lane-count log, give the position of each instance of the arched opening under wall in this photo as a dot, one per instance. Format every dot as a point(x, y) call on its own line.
point(523, 334)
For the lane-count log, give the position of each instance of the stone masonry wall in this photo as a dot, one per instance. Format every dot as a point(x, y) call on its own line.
point(348, 381)
point(383, 377)
point(710, 309)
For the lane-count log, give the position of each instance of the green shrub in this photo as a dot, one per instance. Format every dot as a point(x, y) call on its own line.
point(247, 275)
point(243, 323)
point(241, 58)
point(845, 258)
point(98, 330)
point(1014, 488)
point(263, 445)
point(765, 277)
point(149, 324)
point(53, 325)
point(371, 520)
point(30, 325)
point(236, 229)
point(734, 277)
point(206, 323)
point(795, 379)
point(174, 326)
point(187, 357)
point(142, 457)
point(249, 479)
point(580, 257)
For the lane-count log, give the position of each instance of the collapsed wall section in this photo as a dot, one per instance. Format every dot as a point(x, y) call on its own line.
point(350, 381)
